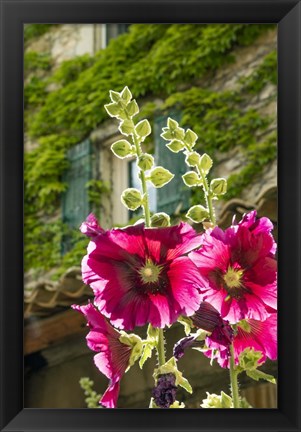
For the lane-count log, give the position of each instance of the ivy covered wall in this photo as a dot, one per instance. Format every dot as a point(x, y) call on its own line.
point(222, 77)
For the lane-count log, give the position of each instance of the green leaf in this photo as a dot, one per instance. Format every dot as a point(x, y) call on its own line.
point(112, 109)
point(175, 146)
point(126, 95)
point(172, 124)
point(183, 382)
point(167, 135)
point(126, 127)
point(147, 353)
point(115, 96)
point(190, 137)
point(205, 163)
point(197, 213)
point(143, 128)
point(131, 198)
point(160, 176)
point(192, 159)
point(132, 108)
point(122, 149)
point(256, 375)
point(191, 179)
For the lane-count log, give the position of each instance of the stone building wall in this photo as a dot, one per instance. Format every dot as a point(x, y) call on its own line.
point(56, 384)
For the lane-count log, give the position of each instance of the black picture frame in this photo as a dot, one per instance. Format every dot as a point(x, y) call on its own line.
point(14, 13)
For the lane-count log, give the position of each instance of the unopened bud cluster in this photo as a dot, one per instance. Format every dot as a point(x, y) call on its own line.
point(124, 109)
point(181, 140)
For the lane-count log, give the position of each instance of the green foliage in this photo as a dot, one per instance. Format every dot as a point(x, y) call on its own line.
point(151, 59)
point(259, 155)
point(217, 118)
point(70, 70)
point(34, 61)
point(34, 92)
point(32, 31)
point(74, 256)
point(42, 243)
point(265, 73)
point(92, 398)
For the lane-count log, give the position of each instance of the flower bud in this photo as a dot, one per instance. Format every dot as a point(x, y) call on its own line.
point(113, 109)
point(160, 220)
point(192, 159)
point(143, 128)
point(126, 127)
point(126, 95)
point(249, 359)
point(217, 401)
point(131, 198)
point(175, 146)
point(115, 96)
point(145, 162)
point(191, 178)
point(179, 134)
point(205, 163)
point(197, 213)
point(190, 137)
point(166, 134)
point(121, 149)
point(160, 176)
point(218, 186)
point(164, 393)
point(132, 108)
point(172, 124)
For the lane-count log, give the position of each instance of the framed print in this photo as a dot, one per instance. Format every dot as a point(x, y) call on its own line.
point(169, 133)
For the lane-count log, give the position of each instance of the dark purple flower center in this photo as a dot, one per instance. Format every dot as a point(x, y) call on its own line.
point(231, 281)
point(164, 393)
point(150, 278)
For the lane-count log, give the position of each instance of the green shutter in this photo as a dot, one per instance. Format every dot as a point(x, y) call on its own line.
point(175, 192)
point(76, 206)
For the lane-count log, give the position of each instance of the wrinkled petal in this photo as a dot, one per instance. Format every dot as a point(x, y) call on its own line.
point(91, 227)
point(109, 398)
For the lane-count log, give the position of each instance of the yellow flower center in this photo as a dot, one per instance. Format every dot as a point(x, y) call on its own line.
point(232, 277)
point(150, 272)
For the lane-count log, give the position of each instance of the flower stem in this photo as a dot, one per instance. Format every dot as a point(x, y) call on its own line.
point(143, 184)
point(208, 196)
point(233, 379)
point(160, 348)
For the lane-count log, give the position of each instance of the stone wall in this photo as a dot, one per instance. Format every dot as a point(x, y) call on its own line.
point(55, 383)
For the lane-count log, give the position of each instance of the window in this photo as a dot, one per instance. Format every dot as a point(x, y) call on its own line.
point(75, 200)
point(114, 30)
point(175, 196)
point(135, 183)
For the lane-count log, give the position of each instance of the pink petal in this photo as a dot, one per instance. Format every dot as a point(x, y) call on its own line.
point(91, 227)
point(109, 399)
point(186, 281)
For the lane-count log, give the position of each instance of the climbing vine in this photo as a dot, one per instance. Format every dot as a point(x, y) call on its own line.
point(153, 60)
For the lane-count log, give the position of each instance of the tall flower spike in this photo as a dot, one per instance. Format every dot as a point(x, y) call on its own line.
point(240, 269)
point(140, 275)
point(114, 351)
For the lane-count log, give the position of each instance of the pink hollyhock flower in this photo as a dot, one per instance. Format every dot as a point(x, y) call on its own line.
point(260, 335)
point(240, 269)
point(113, 356)
point(140, 275)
